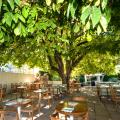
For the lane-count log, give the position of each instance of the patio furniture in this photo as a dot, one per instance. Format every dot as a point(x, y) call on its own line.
point(114, 97)
point(102, 91)
point(14, 90)
point(2, 113)
point(2, 94)
point(75, 109)
point(31, 108)
point(21, 90)
point(18, 103)
point(48, 95)
point(78, 98)
point(54, 116)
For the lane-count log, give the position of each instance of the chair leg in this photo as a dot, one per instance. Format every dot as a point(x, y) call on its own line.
point(2, 116)
point(17, 118)
point(32, 115)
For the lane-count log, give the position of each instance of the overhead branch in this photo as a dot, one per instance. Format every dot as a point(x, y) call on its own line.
point(59, 61)
point(82, 43)
point(51, 64)
point(77, 60)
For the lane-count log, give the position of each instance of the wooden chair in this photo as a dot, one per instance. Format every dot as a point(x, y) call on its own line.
point(2, 113)
point(48, 95)
point(79, 98)
point(4, 110)
point(31, 108)
point(102, 93)
point(2, 94)
point(14, 90)
point(114, 97)
point(54, 116)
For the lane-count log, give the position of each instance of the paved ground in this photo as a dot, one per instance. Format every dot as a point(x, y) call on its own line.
point(98, 110)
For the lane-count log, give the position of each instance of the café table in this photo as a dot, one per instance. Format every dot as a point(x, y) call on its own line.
point(39, 92)
point(18, 103)
point(37, 85)
point(21, 89)
point(72, 108)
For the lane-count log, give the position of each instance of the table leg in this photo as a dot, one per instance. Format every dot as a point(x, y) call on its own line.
point(19, 112)
point(39, 102)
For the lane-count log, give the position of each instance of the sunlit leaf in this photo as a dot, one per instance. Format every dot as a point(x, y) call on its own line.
point(97, 3)
point(96, 14)
point(85, 13)
point(76, 28)
point(87, 26)
point(104, 3)
point(17, 2)
point(108, 14)
point(7, 18)
point(89, 37)
point(103, 23)
point(1, 34)
point(15, 17)
point(0, 4)
point(48, 2)
point(17, 30)
point(60, 1)
point(99, 30)
point(25, 12)
point(11, 3)
point(21, 18)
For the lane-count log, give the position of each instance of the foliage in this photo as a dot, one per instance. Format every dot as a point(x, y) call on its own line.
point(97, 63)
point(52, 34)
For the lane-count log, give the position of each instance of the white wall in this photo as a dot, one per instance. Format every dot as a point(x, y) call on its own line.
point(8, 78)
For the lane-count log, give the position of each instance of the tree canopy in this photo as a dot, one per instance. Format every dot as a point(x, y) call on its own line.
point(53, 33)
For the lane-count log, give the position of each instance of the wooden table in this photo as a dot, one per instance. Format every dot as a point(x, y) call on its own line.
point(18, 103)
point(21, 88)
point(39, 92)
point(73, 108)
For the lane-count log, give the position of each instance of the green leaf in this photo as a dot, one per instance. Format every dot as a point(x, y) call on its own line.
point(60, 1)
point(15, 17)
point(108, 14)
point(17, 2)
point(85, 13)
point(103, 23)
point(76, 28)
point(23, 30)
point(97, 3)
point(11, 3)
point(34, 12)
point(7, 18)
point(68, 10)
point(53, 7)
point(89, 37)
point(48, 2)
point(21, 18)
point(17, 30)
point(1, 34)
point(96, 14)
point(0, 4)
point(99, 30)
point(25, 12)
point(104, 3)
point(87, 26)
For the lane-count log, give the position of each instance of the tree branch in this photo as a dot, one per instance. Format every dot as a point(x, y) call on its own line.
point(51, 64)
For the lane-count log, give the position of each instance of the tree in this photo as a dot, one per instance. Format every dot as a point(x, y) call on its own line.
point(97, 63)
point(58, 34)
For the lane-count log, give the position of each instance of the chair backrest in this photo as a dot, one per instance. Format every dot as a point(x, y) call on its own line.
point(113, 93)
point(79, 98)
point(54, 116)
